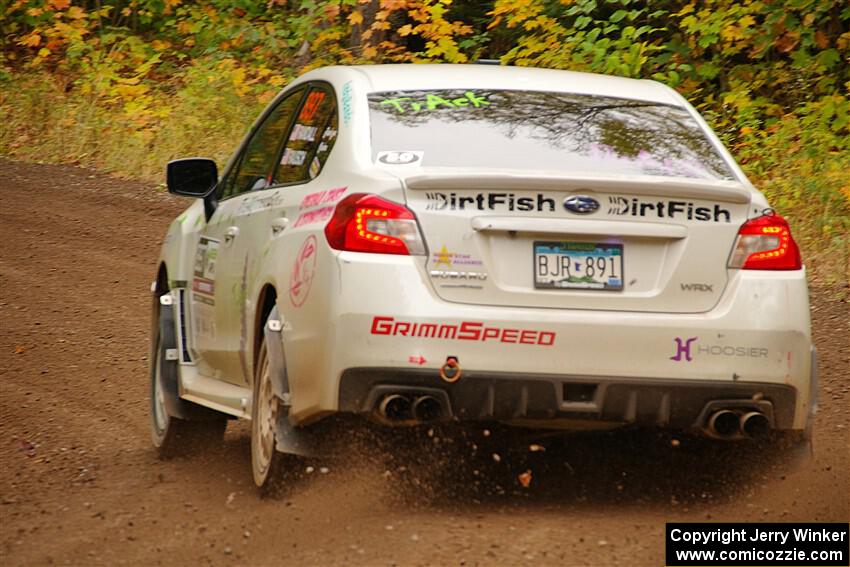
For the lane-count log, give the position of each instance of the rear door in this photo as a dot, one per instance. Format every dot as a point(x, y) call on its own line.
point(271, 214)
point(221, 262)
point(562, 201)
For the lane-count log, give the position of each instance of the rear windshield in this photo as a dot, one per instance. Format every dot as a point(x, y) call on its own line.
point(582, 134)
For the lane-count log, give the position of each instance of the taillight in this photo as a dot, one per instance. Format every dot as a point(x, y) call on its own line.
point(368, 223)
point(765, 243)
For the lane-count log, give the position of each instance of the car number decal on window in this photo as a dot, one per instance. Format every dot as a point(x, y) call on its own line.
point(311, 105)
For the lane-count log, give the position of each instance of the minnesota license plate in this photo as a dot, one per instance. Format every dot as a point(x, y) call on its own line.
point(578, 265)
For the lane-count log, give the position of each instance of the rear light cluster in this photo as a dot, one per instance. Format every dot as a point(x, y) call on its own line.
point(368, 223)
point(765, 243)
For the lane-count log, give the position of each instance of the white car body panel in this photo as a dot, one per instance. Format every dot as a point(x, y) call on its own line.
point(753, 328)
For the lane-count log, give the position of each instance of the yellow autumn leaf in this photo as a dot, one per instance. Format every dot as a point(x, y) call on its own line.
point(746, 21)
point(76, 13)
point(129, 91)
point(393, 5)
point(355, 18)
point(32, 40)
point(405, 30)
point(686, 10)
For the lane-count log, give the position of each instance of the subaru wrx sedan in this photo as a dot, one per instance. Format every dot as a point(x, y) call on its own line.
point(460, 243)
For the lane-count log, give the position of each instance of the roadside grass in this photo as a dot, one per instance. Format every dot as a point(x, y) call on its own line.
point(49, 119)
point(46, 118)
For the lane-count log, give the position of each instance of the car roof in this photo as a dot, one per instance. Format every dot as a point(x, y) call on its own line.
point(383, 78)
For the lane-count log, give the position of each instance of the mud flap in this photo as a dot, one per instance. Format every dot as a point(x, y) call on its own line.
point(277, 359)
point(169, 373)
point(288, 439)
point(804, 451)
point(296, 440)
point(814, 397)
point(799, 449)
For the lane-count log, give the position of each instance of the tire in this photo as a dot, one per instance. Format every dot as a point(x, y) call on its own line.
point(269, 466)
point(171, 435)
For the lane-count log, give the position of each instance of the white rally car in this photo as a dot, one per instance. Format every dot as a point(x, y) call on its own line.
point(426, 243)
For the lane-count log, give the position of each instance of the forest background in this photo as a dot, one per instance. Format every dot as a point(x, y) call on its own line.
point(126, 85)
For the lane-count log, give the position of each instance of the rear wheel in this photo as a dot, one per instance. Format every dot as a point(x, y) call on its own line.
point(269, 466)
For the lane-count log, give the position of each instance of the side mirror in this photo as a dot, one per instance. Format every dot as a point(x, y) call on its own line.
point(191, 177)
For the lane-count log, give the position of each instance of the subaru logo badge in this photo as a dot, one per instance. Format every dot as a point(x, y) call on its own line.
point(581, 204)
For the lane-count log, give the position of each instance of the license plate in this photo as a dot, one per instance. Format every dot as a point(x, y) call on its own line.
point(578, 265)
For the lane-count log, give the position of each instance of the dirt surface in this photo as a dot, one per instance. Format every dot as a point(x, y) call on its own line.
point(80, 483)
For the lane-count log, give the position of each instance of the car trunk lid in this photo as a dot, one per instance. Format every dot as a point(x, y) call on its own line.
point(523, 239)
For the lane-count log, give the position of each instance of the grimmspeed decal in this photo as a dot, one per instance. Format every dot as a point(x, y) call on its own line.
point(621, 206)
point(463, 331)
point(488, 202)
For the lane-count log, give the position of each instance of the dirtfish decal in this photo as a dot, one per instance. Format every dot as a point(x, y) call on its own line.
point(489, 202)
point(621, 206)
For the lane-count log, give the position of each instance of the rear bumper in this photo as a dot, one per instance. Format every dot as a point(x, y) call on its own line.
point(530, 398)
point(383, 317)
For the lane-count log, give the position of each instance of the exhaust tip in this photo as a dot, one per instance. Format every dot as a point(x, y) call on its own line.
point(755, 424)
point(395, 407)
point(724, 423)
point(427, 408)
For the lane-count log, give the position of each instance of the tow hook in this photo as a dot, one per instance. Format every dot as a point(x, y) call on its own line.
point(450, 371)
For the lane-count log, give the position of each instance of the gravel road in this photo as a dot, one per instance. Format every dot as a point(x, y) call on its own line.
point(80, 483)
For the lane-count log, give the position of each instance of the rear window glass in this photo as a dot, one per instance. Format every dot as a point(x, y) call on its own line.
point(582, 134)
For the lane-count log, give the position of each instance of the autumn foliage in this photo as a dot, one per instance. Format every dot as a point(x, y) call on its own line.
point(125, 85)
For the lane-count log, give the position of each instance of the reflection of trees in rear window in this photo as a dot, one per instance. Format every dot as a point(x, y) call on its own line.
point(544, 130)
